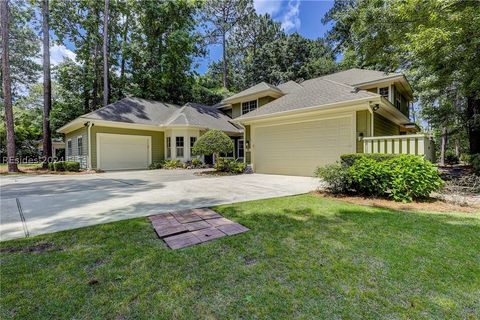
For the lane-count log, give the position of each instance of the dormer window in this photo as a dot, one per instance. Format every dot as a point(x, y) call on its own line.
point(249, 106)
point(383, 92)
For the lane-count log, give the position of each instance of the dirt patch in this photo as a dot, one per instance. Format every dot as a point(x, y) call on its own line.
point(427, 205)
point(39, 248)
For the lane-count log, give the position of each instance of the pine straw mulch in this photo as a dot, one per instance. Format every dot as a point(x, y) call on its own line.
point(431, 204)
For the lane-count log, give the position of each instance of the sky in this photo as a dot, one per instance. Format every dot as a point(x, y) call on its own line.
point(302, 16)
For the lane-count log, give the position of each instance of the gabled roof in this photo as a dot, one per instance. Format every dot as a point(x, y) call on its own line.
point(357, 76)
point(154, 113)
point(260, 87)
point(311, 93)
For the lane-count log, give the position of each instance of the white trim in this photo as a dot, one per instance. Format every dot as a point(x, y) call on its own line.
point(420, 135)
point(176, 155)
point(98, 135)
point(78, 138)
point(89, 141)
point(241, 106)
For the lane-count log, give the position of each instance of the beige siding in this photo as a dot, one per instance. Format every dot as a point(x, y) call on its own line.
point(236, 110)
point(384, 127)
point(374, 90)
point(264, 100)
point(158, 141)
point(82, 132)
point(364, 125)
point(299, 148)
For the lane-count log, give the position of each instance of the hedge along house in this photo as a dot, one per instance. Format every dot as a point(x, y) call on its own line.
point(132, 133)
point(287, 129)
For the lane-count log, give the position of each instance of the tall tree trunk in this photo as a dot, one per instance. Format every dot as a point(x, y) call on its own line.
point(7, 90)
point(105, 54)
point(96, 67)
point(443, 145)
point(457, 147)
point(47, 87)
point(122, 62)
point(224, 43)
point(473, 127)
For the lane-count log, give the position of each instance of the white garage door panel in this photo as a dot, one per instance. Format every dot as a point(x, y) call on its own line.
point(298, 148)
point(121, 152)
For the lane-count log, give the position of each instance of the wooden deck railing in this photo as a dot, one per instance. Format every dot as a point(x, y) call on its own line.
point(417, 144)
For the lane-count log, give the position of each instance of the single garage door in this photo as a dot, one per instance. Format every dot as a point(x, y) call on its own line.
point(122, 152)
point(298, 148)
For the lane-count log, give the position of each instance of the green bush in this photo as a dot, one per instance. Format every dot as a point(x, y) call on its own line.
point(369, 176)
point(451, 158)
point(348, 159)
point(336, 176)
point(230, 165)
point(172, 164)
point(401, 177)
point(156, 165)
point(60, 166)
point(475, 163)
point(72, 166)
point(213, 142)
point(197, 163)
point(412, 177)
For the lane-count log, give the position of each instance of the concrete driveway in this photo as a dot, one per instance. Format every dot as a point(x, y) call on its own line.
point(32, 205)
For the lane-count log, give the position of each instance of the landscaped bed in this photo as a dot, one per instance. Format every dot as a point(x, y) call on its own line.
point(304, 257)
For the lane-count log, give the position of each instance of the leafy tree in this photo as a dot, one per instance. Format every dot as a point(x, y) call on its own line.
point(213, 142)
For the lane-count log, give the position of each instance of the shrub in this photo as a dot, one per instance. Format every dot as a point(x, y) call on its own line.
point(213, 142)
point(465, 158)
point(369, 177)
point(475, 163)
point(51, 166)
point(197, 163)
point(348, 159)
point(402, 177)
point(336, 176)
point(72, 166)
point(172, 164)
point(412, 177)
point(60, 166)
point(230, 165)
point(451, 158)
point(156, 165)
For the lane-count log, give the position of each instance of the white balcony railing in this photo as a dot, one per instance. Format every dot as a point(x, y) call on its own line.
point(417, 144)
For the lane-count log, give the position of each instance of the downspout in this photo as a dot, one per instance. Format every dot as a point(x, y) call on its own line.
point(372, 127)
point(89, 134)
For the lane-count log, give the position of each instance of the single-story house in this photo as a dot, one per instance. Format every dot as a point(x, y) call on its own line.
point(58, 147)
point(290, 128)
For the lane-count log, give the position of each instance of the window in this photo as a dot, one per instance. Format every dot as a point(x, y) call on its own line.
point(69, 147)
point(383, 92)
point(80, 146)
point(249, 106)
point(192, 142)
point(179, 144)
point(240, 148)
point(398, 102)
point(169, 147)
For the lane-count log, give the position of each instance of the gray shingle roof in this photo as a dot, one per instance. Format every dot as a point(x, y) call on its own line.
point(260, 87)
point(357, 76)
point(148, 112)
point(311, 93)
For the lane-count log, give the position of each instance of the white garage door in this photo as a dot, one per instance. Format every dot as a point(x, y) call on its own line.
point(122, 152)
point(298, 148)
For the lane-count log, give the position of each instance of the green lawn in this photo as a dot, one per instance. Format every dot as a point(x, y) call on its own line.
point(305, 257)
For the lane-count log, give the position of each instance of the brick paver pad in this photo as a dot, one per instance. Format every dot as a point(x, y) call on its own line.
point(186, 228)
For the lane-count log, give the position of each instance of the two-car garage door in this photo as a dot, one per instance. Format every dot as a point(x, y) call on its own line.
point(298, 148)
point(123, 152)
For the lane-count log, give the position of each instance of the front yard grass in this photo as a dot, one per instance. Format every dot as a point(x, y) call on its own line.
point(305, 257)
